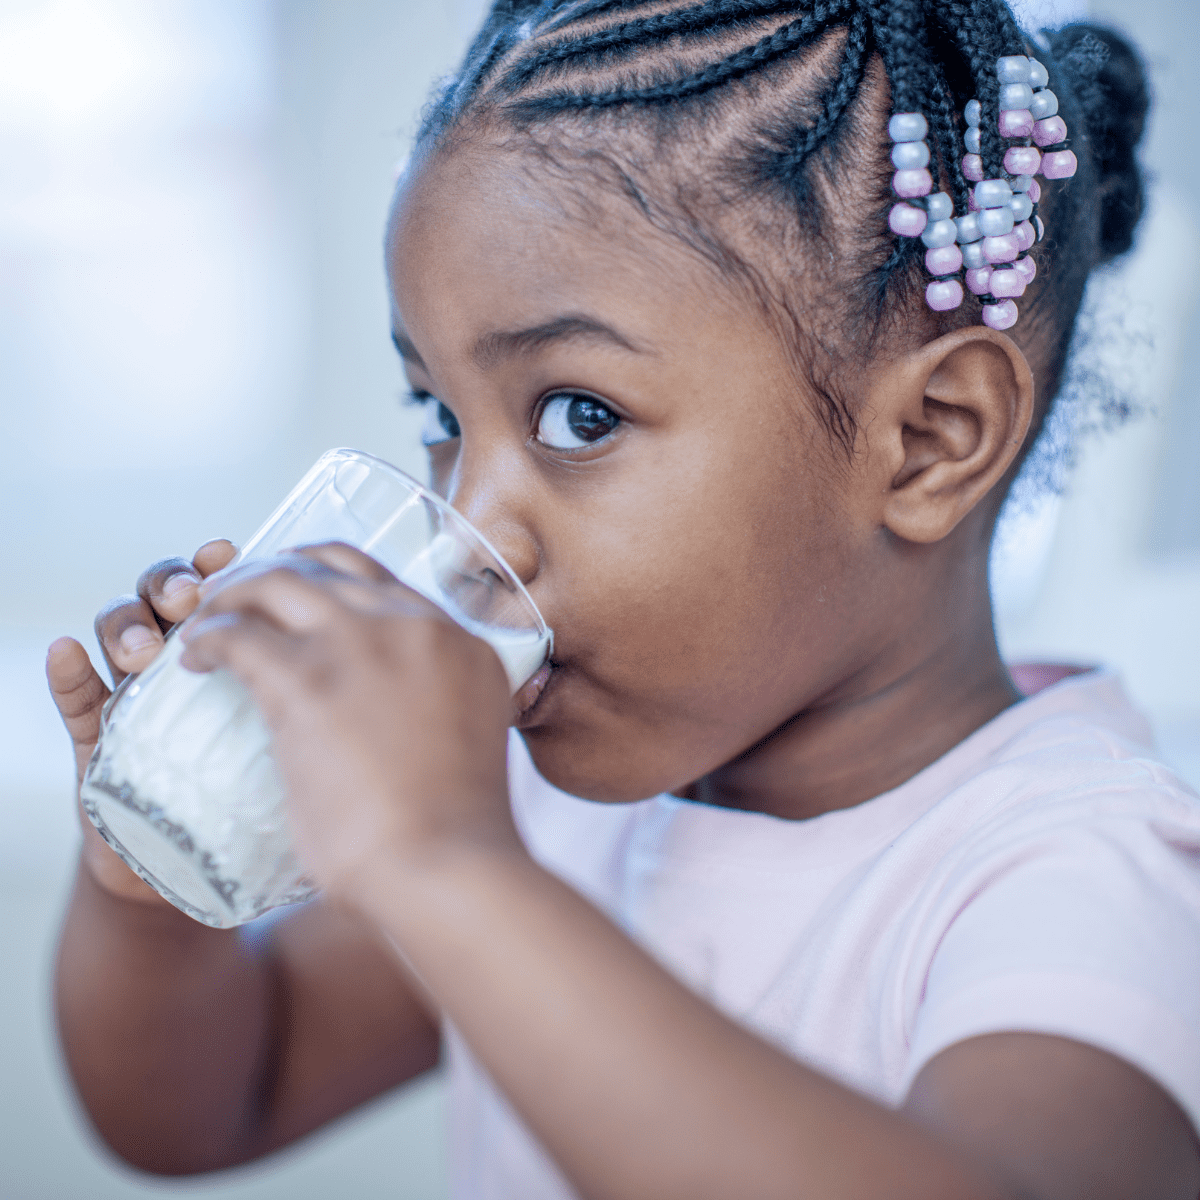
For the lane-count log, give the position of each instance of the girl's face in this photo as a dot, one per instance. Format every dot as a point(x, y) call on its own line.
point(626, 429)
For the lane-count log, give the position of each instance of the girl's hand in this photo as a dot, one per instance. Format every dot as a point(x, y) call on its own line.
point(389, 721)
point(130, 631)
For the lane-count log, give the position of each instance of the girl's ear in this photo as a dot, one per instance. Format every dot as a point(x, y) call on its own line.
point(947, 422)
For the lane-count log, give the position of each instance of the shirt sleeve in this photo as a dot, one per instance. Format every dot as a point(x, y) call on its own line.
point(1088, 930)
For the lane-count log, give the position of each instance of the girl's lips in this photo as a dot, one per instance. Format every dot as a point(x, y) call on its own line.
point(530, 692)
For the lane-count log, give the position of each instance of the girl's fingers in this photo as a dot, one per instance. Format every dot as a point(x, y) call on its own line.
point(129, 636)
point(79, 694)
point(290, 595)
point(171, 588)
point(214, 556)
point(258, 652)
point(339, 556)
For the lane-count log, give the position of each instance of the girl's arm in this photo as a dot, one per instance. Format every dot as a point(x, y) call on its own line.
point(388, 725)
point(193, 1049)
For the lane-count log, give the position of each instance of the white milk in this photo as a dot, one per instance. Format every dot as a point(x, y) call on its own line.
point(183, 787)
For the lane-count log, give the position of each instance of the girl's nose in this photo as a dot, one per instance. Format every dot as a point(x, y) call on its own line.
point(493, 499)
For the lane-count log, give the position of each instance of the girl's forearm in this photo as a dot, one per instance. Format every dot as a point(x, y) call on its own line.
point(164, 1024)
point(636, 1086)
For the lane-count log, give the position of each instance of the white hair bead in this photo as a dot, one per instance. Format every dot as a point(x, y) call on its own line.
point(1013, 68)
point(1016, 95)
point(939, 206)
point(907, 155)
point(907, 127)
point(1044, 104)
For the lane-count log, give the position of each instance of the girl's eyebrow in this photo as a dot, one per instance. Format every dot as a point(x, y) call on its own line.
point(491, 348)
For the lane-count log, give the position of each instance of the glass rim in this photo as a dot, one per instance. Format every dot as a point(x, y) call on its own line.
point(415, 486)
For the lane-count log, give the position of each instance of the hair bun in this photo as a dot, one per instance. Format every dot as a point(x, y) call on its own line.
point(1108, 78)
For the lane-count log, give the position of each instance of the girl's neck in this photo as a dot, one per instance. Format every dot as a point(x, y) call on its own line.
point(915, 701)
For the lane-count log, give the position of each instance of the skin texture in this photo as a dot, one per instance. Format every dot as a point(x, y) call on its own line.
point(742, 615)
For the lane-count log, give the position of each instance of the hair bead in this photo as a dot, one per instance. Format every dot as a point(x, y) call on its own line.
point(1038, 75)
point(1016, 95)
point(905, 220)
point(942, 295)
point(907, 156)
point(994, 222)
point(1022, 160)
point(974, 113)
point(971, 139)
point(1013, 68)
point(909, 184)
point(943, 260)
point(979, 280)
point(973, 255)
point(1044, 104)
point(1016, 123)
point(1059, 164)
point(1007, 283)
point(1034, 191)
point(972, 166)
point(939, 233)
point(1027, 267)
point(939, 206)
point(1022, 183)
point(1022, 207)
point(968, 227)
point(907, 127)
point(1050, 131)
point(991, 193)
point(1025, 235)
point(1000, 316)
point(1002, 249)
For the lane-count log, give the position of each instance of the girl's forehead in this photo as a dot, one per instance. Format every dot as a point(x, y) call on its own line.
point(474, 234)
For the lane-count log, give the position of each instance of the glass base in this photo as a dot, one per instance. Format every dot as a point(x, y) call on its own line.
point(164, 854)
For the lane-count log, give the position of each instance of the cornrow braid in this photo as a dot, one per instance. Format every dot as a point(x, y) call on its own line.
point(638, 36)
point(783, 42)
point(850, 73)
point(682, 68)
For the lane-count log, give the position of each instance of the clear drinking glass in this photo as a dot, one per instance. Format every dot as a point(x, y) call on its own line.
point(182, 784)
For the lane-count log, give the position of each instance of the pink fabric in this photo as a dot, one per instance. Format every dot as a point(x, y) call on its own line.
point(1042, 876)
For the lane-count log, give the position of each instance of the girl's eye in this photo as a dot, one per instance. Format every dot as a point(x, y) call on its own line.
point(569, 422)
point(440, 424)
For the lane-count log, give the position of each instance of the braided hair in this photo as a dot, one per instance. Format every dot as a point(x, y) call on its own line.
point(698, 108)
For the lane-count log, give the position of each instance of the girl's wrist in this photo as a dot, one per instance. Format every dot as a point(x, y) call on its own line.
point(397, 883)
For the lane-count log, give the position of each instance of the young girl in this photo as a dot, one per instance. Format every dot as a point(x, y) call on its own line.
point(699, 360)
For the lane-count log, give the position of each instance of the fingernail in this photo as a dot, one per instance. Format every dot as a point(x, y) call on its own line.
point(178, 584)
point(137, 638)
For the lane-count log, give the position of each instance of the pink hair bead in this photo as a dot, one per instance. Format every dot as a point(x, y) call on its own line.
point(1016, 123)
point(943, 260)
point(1000, 316)
point(914, 182)
point(1022, 160)
point(1049, 131)
point(1025, 235)
point(1059, 164)
point(973, 167)
point(1008, 282)
point(1027, 267)
point(1034, 191)
point(1002, 249)
point(944, 294)
point(905, 220)
point(979, 280)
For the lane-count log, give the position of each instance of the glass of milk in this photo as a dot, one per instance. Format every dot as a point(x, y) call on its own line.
point(182, 784)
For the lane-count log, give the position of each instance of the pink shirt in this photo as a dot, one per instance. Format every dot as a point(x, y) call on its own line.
point(1044, 876)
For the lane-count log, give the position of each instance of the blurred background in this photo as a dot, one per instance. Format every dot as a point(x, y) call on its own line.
point(192, 309)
